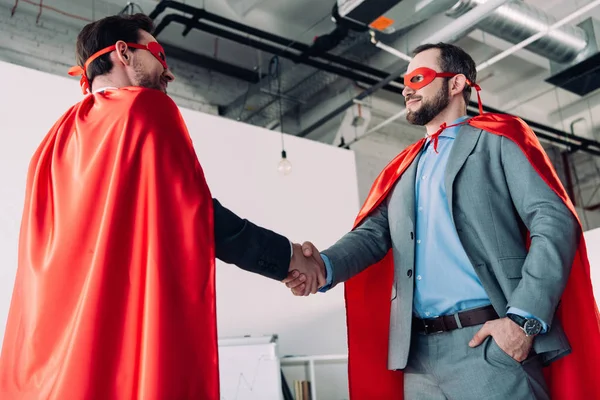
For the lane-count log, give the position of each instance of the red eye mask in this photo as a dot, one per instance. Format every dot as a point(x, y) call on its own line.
point(153, 47)
point(421, 77)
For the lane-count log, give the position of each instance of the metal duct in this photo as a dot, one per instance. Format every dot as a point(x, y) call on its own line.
point(517, 21)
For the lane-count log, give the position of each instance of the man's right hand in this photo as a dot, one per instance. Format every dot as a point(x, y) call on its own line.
point(307, 272)
point(304, 258)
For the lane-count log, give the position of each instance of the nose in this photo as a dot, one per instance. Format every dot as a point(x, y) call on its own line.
point(407, 91)
point(168, 75)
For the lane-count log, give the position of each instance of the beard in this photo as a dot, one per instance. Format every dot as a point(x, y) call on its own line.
point(146, 80)
point(430, 109)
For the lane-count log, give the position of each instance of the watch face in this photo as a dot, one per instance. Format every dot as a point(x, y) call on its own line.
point(532, 327)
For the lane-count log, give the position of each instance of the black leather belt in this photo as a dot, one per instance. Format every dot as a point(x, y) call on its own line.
point(447, 323)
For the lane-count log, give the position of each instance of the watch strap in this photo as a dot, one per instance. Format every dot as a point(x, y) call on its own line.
point(517, 319)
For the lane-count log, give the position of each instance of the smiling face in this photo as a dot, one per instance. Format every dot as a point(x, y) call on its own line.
point(425, 103)
point(148, 71)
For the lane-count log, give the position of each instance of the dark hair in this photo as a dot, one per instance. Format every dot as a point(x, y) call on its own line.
point(106, 32)
point(454, 59)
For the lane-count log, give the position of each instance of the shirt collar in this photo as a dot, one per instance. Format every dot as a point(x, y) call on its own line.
point(104, 88)
point(452, 131)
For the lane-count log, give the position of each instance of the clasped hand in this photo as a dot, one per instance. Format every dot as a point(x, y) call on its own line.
point(307, 270)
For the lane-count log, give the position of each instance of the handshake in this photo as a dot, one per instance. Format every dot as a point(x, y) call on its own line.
point(307, 272)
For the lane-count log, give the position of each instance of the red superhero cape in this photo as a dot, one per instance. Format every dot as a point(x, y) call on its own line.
point(115, 289)
point(573, 377)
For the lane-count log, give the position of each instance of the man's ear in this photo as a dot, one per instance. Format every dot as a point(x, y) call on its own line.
point(457, 84)
point(123, 53)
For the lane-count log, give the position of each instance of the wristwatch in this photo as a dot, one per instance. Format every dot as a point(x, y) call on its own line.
point(530, 326)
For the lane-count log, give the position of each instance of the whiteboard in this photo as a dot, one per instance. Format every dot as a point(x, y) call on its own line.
point(249, 368)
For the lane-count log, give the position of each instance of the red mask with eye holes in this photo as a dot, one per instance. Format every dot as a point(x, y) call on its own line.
point(421, 77)
point(153, 47)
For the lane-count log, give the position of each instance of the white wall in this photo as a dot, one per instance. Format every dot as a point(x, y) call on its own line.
point(592, 240)
point(317, 202)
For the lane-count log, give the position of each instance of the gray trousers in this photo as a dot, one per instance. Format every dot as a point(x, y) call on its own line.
point(442, 366)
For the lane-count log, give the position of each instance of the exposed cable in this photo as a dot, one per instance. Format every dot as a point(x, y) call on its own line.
point(275, 73)
point(130, 8)
point(56, 10)
point(281, 51)
point(12, 11)
point(280, 100)
point(37, 19)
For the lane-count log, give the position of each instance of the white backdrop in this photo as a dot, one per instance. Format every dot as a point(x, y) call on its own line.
point(317, 201)
point(592, 240)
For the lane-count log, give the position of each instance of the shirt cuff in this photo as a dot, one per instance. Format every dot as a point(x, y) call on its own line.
point(329, 273)
point(524, 314)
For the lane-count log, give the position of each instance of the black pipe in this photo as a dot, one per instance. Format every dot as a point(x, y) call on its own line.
point(349, 103)
point(585, 142)
point(223, 67)
point(224, 33)
point(584, 145)
point(198, 14)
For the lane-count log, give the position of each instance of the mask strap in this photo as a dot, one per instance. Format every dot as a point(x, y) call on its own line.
point(77, 70)
point(477, 89)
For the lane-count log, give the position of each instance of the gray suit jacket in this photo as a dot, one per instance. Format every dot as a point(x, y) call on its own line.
point(495, 197)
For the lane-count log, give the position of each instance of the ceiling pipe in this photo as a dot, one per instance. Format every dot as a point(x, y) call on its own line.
point(500, 56)
point(517, 21)
point(456, 28)
point(588, 7)
point(298, 78)
point(341, 67)
point(448, 33)
point(550, 134)
point(350, 103)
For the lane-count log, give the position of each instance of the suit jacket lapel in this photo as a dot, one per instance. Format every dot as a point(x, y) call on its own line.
point(465, 142)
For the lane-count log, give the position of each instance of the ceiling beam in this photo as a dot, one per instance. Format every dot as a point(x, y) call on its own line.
point(502, 45)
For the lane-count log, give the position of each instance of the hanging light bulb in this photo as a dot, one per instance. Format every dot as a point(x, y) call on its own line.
point(285, 166)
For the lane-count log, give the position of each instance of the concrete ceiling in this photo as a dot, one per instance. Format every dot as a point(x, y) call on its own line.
point(515, 84)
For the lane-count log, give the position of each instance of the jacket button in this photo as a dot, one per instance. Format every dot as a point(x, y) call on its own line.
point(409, 273)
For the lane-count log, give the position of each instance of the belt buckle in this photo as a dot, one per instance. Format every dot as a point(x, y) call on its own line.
point(428, 332)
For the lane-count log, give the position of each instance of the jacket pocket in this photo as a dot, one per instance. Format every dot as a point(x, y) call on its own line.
point(512, 267)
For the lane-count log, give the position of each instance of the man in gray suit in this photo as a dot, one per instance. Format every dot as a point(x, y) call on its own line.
point(472, 310)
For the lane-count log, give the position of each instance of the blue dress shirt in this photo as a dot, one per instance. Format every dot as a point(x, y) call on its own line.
point(445, 281)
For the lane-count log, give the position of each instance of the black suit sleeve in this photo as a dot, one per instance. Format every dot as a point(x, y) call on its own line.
point(250, 247)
